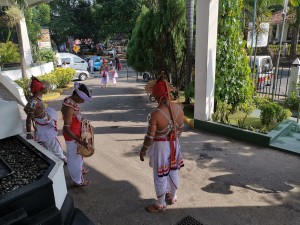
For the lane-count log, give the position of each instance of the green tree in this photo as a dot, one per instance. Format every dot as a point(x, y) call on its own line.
point(158, 40)
point(295, 8)
point(71, 18)
point(189, 43)
point(264, 11)
point(117, 17)
point(36, 18)
point(233, 83)
point(14, 15)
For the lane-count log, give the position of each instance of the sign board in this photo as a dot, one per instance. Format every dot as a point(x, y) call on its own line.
point(262, 37)
point(44, 42)
point(76, 48)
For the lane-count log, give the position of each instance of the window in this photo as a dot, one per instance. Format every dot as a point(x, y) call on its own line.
point(77, 60)
point(67, 60)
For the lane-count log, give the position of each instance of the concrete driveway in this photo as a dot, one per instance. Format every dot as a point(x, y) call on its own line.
point(224, 181)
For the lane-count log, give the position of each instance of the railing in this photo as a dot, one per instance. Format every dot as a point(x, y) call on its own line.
point(266, 84)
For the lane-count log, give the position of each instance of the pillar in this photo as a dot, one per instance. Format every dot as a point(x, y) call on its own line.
point(205, 58)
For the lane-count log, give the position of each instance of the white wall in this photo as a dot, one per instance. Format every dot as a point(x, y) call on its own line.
point(8, 77)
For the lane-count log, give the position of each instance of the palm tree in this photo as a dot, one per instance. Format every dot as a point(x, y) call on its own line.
point(15, 15)
point(263, 14)
point(295, 7)
point(189, 42)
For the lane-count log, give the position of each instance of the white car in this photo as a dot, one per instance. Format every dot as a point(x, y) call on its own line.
point(111, 52)
point(81, 75)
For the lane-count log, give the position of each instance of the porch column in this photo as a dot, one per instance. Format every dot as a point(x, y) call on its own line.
point(25, 42)
point(205, 58)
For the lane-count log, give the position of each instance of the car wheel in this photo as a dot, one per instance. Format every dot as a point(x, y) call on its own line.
point(146, 76)
point(82, 76)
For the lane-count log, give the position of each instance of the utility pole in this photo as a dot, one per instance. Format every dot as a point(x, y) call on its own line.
point(252, 40)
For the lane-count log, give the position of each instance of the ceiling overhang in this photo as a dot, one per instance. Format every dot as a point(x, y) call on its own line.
point(30, 2)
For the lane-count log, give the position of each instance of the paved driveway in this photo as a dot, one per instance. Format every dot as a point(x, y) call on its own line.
point(224, 181)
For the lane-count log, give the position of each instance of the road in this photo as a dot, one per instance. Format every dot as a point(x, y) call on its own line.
point(224, 181)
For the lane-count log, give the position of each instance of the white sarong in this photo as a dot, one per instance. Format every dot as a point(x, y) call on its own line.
point(75, 162)
point(46, 133)
point(165, 180)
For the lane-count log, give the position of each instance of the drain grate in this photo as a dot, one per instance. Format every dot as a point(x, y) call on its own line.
point(188, 220)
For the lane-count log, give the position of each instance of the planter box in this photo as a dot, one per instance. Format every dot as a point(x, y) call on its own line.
point(234, 132)
point(11, 65)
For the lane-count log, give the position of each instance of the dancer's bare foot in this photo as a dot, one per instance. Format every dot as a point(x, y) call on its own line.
point(155, 208)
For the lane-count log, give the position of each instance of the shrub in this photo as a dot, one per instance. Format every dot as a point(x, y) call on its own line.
point(46, 55)
point(222, 112)
point(25, 84)
point(272, 112)
point(9, 52)
point(292, 102)
point(64, 76)
point(58, 78)
point(189, 93)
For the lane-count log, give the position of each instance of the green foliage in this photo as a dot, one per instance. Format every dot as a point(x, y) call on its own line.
point(292, 102)
point(46, 55)
point(272, 112)
point(36, 18)
point(64, 76)
point(158, 40)
point(259, 102)
point(233, 82)
point(247, 108)
point(223, 109)
point(25, 84)
point(58, 78)
point(9, 52)
point(189, 93)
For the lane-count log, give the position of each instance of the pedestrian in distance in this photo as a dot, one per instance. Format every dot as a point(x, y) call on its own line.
point(117, 63)
point(91, 65)
point(71, 112)
point(65, 65)
point(44, 120)
point(104, 74)
point(114, 73)
point(161, 142)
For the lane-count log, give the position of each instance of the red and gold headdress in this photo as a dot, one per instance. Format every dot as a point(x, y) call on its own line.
point(36, 85)
point(159, 88)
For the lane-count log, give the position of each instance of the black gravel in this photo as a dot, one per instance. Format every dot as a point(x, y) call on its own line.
point(27, 166)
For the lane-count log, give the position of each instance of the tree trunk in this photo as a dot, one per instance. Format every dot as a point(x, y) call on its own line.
point(294, 42)
point(189, 41)
point(22, 56)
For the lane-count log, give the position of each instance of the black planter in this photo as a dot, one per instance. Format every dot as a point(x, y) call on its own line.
point(36, 202)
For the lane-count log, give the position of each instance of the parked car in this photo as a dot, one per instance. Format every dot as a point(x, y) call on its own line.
point(97, 61)
point(111, 52)
point(263, 73)
point(81, 75)
point(73, 61)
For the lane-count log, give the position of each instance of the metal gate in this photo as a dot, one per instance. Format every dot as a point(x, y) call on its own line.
point(267, 84)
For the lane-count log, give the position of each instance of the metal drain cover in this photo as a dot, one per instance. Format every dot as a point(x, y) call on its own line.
point(188, 220)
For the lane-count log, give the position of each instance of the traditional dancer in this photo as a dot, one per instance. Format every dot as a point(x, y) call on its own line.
point(71, 131)
point(44, 119)
point(114, 74)
point(104, 73)
point(161, 142)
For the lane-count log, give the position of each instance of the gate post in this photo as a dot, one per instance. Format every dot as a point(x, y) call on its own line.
point(295, 76)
